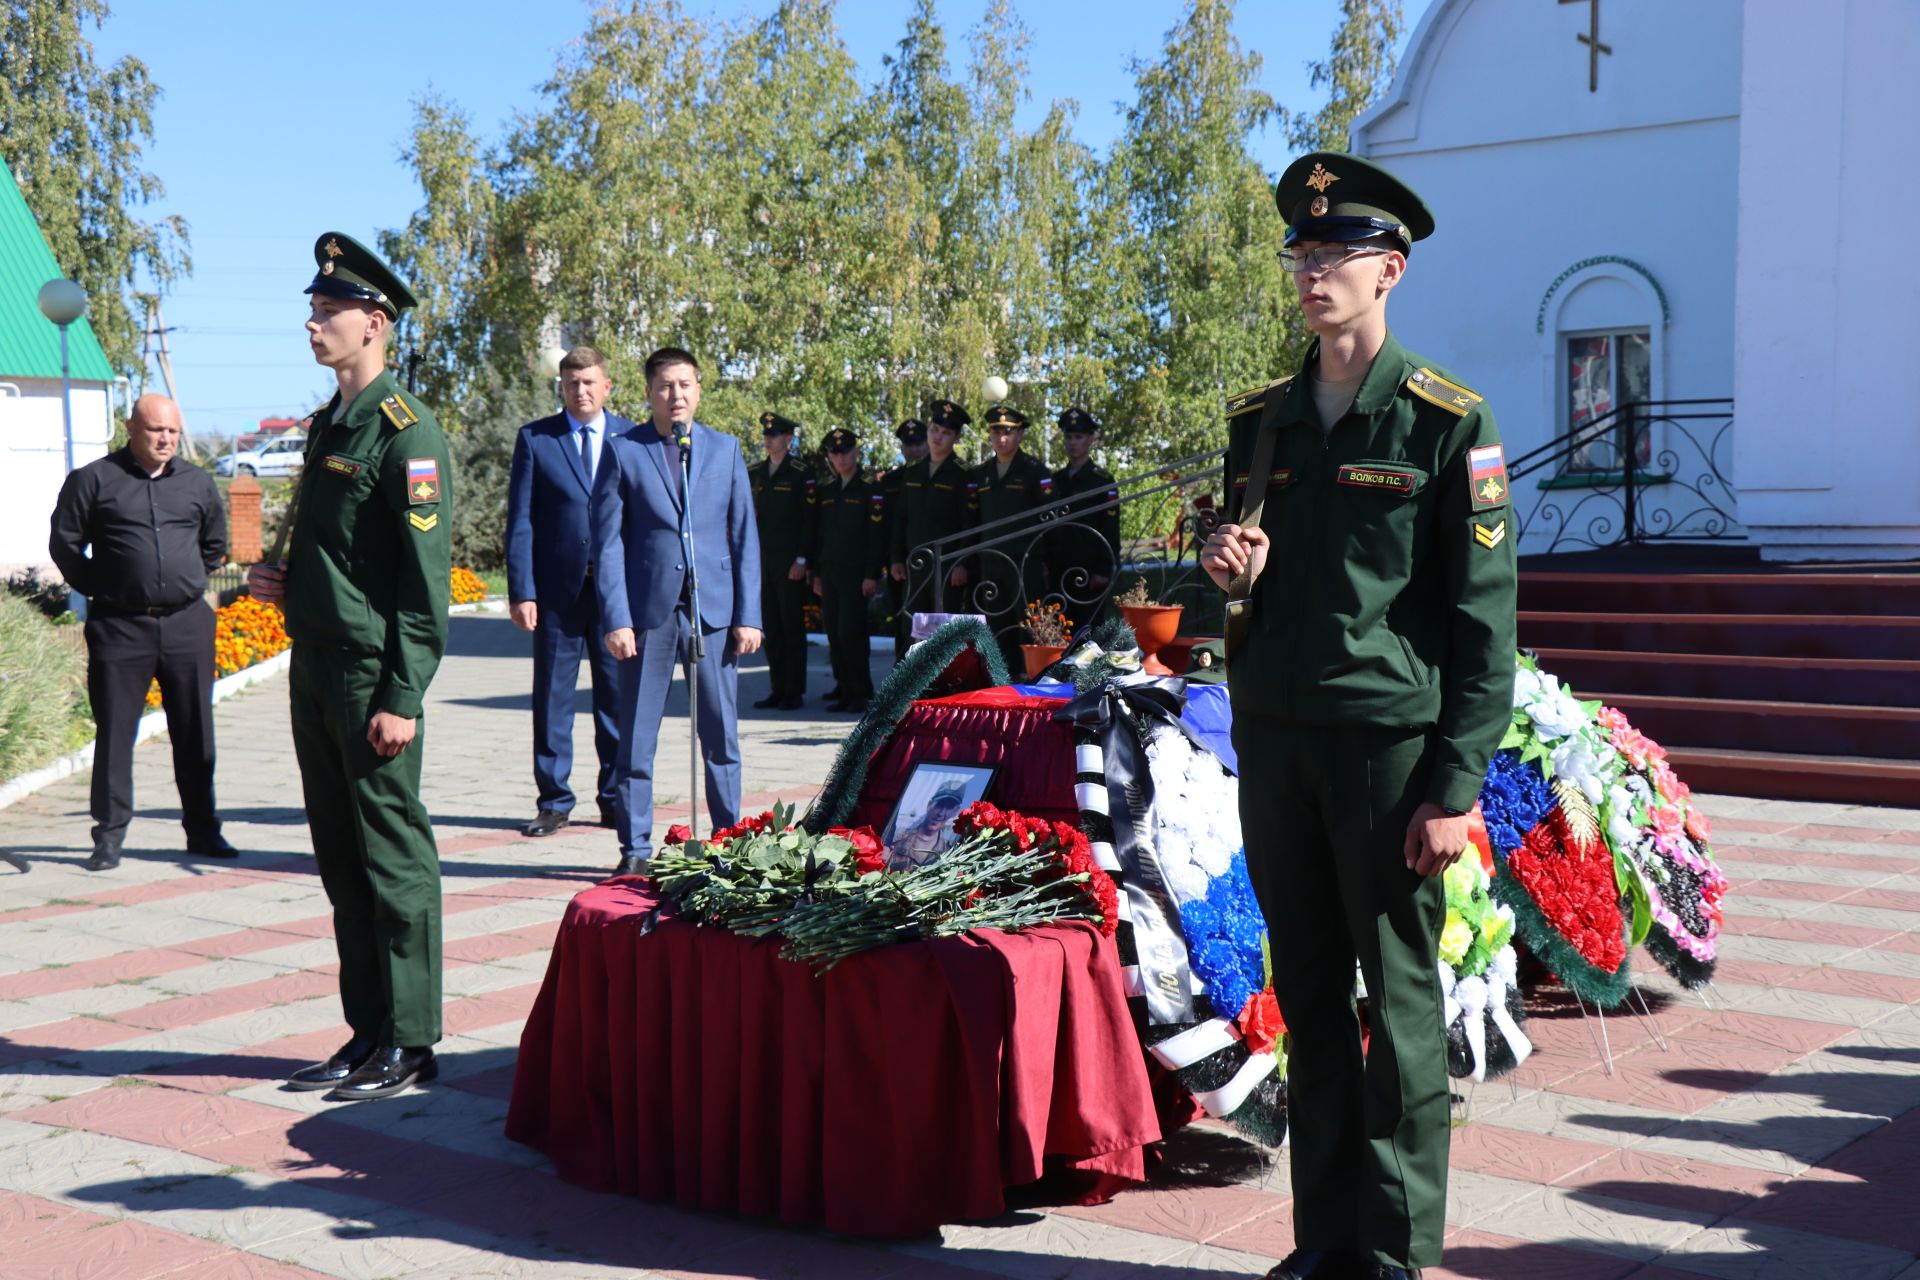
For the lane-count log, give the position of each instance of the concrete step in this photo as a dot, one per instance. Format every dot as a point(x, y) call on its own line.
point(1792, 776)
point(1860, 681)
point(1811, 593)
point(1755, 635)
point(1802, 728)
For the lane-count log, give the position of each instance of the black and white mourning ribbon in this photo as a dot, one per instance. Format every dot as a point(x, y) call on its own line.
point(1106, 713)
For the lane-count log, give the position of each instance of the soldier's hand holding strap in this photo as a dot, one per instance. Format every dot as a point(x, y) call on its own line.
point(1229, 549)
point(267, 583)
point(1435, 839)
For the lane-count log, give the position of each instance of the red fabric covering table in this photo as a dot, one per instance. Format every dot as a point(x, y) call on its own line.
point(905, 1088)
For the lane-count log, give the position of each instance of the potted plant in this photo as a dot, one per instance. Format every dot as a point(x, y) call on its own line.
point(1048, 632)
point(1154, 624)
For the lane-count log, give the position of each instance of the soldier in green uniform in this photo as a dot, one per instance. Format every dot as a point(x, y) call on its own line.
point(1085, 547)
point(912, 435)
point(937, 498)
point(1368, 509)
point(365, 589)
point(783, 508)
point(1012, 483)
point(848, 559)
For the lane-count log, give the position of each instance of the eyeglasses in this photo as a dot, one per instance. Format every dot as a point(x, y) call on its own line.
point(1324, 258)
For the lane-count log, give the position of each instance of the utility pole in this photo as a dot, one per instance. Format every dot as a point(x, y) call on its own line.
point(163, 360)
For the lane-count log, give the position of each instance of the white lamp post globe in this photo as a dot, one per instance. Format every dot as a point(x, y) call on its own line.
point(548, 362)
point(994, 388)
point(62, 301)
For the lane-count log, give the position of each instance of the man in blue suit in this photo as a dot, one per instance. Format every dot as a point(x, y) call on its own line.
point(642, 555)
point(550, 573)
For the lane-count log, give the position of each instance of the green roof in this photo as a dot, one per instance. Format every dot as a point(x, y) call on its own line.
point(29, 342)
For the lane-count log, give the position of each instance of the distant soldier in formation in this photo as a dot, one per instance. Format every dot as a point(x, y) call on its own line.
point(1085, 549)
point(783, 507)
point(912, 435)
point(937, 499)
point(1011, 483)
point(847, 559)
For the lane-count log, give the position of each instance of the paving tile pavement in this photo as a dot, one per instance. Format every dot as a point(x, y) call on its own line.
point(1762, 1128)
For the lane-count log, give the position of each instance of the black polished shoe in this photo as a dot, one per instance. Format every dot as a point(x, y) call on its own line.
point(325, 1075)
point(106, 855)
point(213, 846)
point(853, 706)
point(386, 1072)
point(793, 703)
point(545, 823)
point(631, 864)
point(1315, 1264)
point(1385, 1271)
point(768, 703)
point(835, 695)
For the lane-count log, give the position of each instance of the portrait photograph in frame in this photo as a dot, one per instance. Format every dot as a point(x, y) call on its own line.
point(920, 828)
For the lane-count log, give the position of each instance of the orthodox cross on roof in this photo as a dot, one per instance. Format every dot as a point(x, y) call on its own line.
point(1591, 39)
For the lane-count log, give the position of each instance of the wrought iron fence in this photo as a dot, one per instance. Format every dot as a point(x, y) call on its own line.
point(1057, 554)
point(1647, 471)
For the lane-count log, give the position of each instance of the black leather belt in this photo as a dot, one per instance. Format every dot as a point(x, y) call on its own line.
point(150, 611)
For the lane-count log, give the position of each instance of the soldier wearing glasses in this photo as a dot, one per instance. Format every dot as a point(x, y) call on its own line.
point(1367, 505)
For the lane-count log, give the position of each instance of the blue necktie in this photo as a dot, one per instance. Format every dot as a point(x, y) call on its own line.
point(586, 452)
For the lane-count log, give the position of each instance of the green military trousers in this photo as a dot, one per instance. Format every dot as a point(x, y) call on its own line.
point(844, 609)
point(1324, 811)
point(374, 846)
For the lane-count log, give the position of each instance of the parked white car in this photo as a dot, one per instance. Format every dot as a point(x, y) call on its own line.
point(280, 456)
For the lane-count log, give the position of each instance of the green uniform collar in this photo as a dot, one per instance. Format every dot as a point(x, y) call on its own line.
point(1382, 383)
point(367, 403)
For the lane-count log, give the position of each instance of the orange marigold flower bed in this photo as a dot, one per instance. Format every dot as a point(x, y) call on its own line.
point(467, 587)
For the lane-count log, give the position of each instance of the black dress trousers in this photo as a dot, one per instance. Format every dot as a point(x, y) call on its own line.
point(125, 654)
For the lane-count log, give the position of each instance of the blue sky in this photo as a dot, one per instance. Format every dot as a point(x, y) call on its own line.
point(278, 122)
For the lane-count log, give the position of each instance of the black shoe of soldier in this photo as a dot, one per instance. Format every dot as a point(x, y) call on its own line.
point(630, 864)
point(344, 1062)
point(792, 703)
point(545, 823)
point(769, 702)
point(1315, 1264)
point(106, 855)
point(387, 1071)
point(213, 846)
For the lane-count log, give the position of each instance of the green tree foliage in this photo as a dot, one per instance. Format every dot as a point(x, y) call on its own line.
point(72, 133)
point(1356, 70)
point(845, 253)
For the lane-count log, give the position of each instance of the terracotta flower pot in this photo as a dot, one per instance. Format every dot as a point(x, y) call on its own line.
point(1041, 656)
point(1153, 626)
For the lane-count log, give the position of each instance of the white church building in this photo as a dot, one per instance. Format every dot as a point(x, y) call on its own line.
point(1682, 226)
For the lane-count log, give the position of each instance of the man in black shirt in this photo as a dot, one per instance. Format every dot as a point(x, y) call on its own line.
point(157, 528)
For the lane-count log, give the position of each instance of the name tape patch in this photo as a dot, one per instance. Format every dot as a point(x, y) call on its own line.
point(342, 466)
point(1379, 478)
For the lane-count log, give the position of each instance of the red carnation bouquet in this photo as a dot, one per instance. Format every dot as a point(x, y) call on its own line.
point(831, 896)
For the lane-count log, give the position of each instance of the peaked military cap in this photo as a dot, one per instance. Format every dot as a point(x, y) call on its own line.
point(945, 413)
point(772, 424)
point(839, 440)
point(1329, 195)
point(348, 269)
point(949, 793)
point(1005, 416)
point(1076, 420)
point(911, 431)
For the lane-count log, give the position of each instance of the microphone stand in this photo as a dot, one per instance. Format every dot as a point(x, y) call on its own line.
point(696, 644)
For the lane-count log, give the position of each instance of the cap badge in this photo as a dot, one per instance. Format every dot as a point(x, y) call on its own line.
point(326, 268)
point(1320, 179)
point(1319, 207)
point(333, 248)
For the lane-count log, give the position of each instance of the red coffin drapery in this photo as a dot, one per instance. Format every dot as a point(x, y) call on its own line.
point(905, 1088)
point(1015, 732)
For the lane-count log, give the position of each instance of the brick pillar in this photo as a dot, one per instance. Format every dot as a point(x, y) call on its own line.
point(243, 520)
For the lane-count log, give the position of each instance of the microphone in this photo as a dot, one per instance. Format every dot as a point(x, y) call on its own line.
point(683, 436)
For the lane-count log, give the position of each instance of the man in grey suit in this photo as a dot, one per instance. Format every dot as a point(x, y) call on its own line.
point(670, 498)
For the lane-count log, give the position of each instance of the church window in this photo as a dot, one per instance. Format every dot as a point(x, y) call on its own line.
point(1605, 371)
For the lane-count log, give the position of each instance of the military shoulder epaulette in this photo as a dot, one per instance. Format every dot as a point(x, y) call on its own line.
point(1248, 401)
point(399, 413)
point(1434, 389)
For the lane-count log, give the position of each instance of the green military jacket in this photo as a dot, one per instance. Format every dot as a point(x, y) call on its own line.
point(1090, 486)
point(1026, 485)
point(370, 565)
point(784, 512)
point(934, 502)
point(850, 539)
point(1388, 593)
